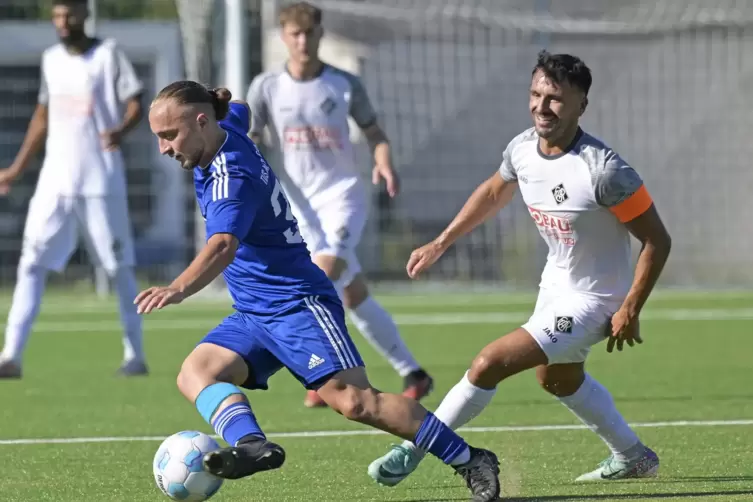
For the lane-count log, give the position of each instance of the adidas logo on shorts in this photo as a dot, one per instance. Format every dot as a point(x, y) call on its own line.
point(315, 361)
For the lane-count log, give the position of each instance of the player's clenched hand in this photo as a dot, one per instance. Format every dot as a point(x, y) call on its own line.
point(7, 176)
point(111, 139)
point(157, 298)
point(624, 328)
point(390, 178)
point(423, 258)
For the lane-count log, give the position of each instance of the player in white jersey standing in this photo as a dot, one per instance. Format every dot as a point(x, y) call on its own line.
point(586, 202)
point(89, 99)
point(306, 106)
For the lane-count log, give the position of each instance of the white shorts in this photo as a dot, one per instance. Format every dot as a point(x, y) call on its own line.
point(566, 324)
point(54, 223)
point(335, 230)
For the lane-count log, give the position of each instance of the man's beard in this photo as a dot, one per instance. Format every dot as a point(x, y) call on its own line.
point(73, 37)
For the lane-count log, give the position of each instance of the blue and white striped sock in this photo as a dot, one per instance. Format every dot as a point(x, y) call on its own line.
point(236, 422)
point(439, 440)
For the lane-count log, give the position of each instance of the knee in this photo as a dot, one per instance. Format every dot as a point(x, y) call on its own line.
point(193, 377)
point(358, 405)
point(547, 383)
point(28, 268)
point(209, 364)
point(336, 270)
point(186, 380)
point(485, 369)
point(557, 384)
point(332, 274)
point(355, 293)
point(332, 267)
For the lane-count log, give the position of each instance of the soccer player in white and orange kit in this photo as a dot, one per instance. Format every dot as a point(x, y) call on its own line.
point(88, 100)
point(586, 201)
point(306, 107)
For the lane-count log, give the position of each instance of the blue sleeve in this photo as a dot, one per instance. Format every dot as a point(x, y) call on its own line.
point(238, 117)
point(232, 204)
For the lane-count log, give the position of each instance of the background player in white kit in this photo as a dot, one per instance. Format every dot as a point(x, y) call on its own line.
point(306, 106)
point(585, 201)
point(85, 85)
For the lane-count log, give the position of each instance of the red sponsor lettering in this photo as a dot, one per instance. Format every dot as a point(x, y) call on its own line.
point(558, 224)
point(554, 227)
point(72, 104)
point(318, 138)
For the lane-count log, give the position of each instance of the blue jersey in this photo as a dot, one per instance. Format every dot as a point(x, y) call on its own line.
point(239, 194)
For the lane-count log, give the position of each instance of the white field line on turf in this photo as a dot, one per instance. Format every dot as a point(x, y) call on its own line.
point(374, 432)
point(155, 322)
point(88, 303)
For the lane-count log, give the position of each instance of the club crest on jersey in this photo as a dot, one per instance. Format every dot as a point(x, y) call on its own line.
point(563, 324)
point(560, 194)
point(328, 105)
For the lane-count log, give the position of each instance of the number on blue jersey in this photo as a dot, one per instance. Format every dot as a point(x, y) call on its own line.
point(292, 236)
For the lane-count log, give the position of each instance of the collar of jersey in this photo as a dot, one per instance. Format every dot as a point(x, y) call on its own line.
point(227, 135)
point(314, 77)
point(576, 139)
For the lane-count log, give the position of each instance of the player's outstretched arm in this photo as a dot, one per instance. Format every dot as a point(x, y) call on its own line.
point(33, 141)
point(208, 264)
point(491, 196)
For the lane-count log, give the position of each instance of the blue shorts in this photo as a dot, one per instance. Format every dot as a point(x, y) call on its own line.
point(309, 338)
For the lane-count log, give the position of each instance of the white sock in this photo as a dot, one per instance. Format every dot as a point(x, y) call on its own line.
point(378, 327)
point(125, 284)
point(594, 406)
point(462, 404)
point(27, 299)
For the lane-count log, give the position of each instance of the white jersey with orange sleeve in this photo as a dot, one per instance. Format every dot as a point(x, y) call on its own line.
point(579, 200)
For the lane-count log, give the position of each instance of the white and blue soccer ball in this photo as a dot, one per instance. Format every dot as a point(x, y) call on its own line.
point(177, 467)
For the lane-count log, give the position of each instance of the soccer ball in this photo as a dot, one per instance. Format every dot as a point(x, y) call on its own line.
point(177, 467)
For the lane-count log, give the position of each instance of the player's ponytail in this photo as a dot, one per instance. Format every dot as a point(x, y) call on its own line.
point(187, 92)
point(221, 101)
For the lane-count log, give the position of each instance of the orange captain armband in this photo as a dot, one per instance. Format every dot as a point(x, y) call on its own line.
point(633, 206)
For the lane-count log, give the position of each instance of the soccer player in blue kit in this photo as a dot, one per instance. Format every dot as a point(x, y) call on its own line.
point(287, 312)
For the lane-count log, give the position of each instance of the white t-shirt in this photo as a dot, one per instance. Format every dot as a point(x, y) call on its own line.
point(309, 123)
point(84, 94)
point(579, 201)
